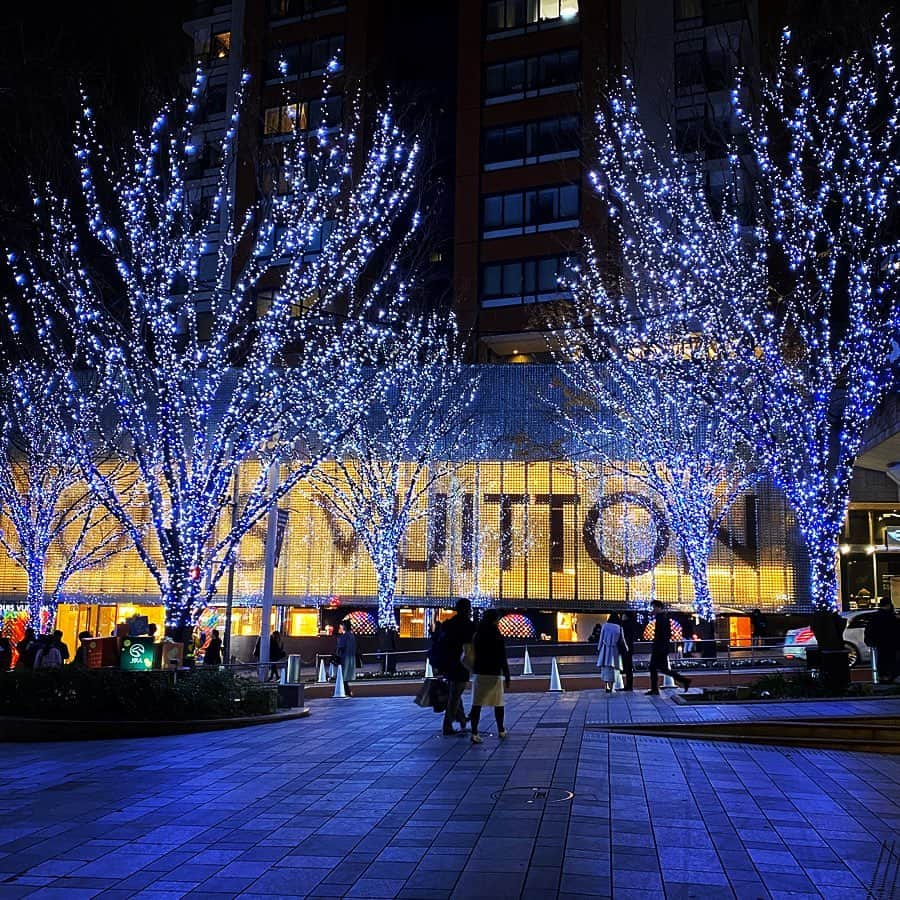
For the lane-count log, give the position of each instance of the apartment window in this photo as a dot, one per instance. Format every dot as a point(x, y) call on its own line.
point(216, 99)
point(535, 75)
point(534, 280)
point(531, 142)
point(527, 212)
point(220, 46)
point(212, 43)
point(270, 242)
point(688, 9)
point(284, 119)
point(265, 299)
point(201, 201)
point(325, 112)
point(515, 15)
point(290, 9)
point(305, 60)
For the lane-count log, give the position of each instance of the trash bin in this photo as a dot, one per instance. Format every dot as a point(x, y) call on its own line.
point(292, 672)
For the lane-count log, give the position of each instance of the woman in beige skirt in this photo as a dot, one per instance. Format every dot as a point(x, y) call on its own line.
point(490, 673)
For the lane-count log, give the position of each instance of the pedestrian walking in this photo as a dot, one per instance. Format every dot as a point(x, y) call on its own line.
point(57, 641)
point(450, 644)
point(490, 674)
point(79, 660)
point(27, 648)
point(660, 650)
point(276, 654)
point(609, 651)
point(213, 654)
point(631, 632)
point(48, 655)
point(883, 636)
point(759, 628)
point(346, 654)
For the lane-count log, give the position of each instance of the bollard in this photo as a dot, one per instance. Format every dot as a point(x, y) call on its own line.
point(339, 692)
point(555, 683)
point(526, 668)
point(292, 670)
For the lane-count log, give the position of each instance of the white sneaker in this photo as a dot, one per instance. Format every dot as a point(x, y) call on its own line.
point(502, 734)
point(477, 739)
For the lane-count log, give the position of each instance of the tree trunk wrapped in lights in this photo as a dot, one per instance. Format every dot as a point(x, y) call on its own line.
point(203, 377)
point(43, 494)
point(404, 447)
point(793, 272)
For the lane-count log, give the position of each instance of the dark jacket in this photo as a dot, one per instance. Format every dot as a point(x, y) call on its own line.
point(883, 630)
point(631, 631)
point(213, 655)
point(662, 635)
point(454, 632)
point(490, 652)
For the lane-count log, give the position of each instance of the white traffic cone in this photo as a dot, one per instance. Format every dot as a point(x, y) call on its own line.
point(428, 672)
point(330, 671)
point(323, 678)
point(555, 683)
point(526, 668)
point(339, 692)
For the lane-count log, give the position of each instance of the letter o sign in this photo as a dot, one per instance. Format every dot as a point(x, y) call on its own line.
point(626, 568)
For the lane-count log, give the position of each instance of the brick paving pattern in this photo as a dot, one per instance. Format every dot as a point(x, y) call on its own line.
point(366, 799)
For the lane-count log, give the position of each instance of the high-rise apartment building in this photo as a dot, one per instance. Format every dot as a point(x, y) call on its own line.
point(528, 80)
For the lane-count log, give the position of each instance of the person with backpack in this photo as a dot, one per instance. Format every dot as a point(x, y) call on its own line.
point(48, 655)
point(450, 641)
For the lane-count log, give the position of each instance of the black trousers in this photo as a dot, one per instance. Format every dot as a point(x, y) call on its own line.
point(628, 670)
point(659, 665)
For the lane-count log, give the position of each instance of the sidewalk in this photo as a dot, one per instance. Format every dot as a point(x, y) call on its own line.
point(366, 799)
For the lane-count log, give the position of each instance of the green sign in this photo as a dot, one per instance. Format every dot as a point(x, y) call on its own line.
point(137, 654)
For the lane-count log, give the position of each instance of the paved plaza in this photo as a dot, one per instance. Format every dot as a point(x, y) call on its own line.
point(366, 799)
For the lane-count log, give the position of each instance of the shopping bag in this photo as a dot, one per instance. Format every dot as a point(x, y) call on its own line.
point(423, 697)
point(440, 694)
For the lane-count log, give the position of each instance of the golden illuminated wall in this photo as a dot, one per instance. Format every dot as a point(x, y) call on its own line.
point(514, 532)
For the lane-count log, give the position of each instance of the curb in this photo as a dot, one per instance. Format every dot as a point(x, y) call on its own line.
point(18, 729)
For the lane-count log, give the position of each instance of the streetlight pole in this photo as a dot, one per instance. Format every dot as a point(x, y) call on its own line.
point(269, 577)
point(229, 591)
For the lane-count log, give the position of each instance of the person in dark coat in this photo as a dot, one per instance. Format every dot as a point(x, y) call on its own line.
point(60, 644)
point(452, 637)
point(759, 628)
point(79, 660)
point(27, 649)
point(491, 674)
point(347, 654)
point(5, 653)
point(631, 633)
point(883, 636)
point(659, 652)
point(276, 654)
point(213, 654)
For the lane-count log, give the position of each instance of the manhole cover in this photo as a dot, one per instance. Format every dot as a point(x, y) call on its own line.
point(532, 796)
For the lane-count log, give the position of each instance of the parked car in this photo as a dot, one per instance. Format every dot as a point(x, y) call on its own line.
point(798, 640)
